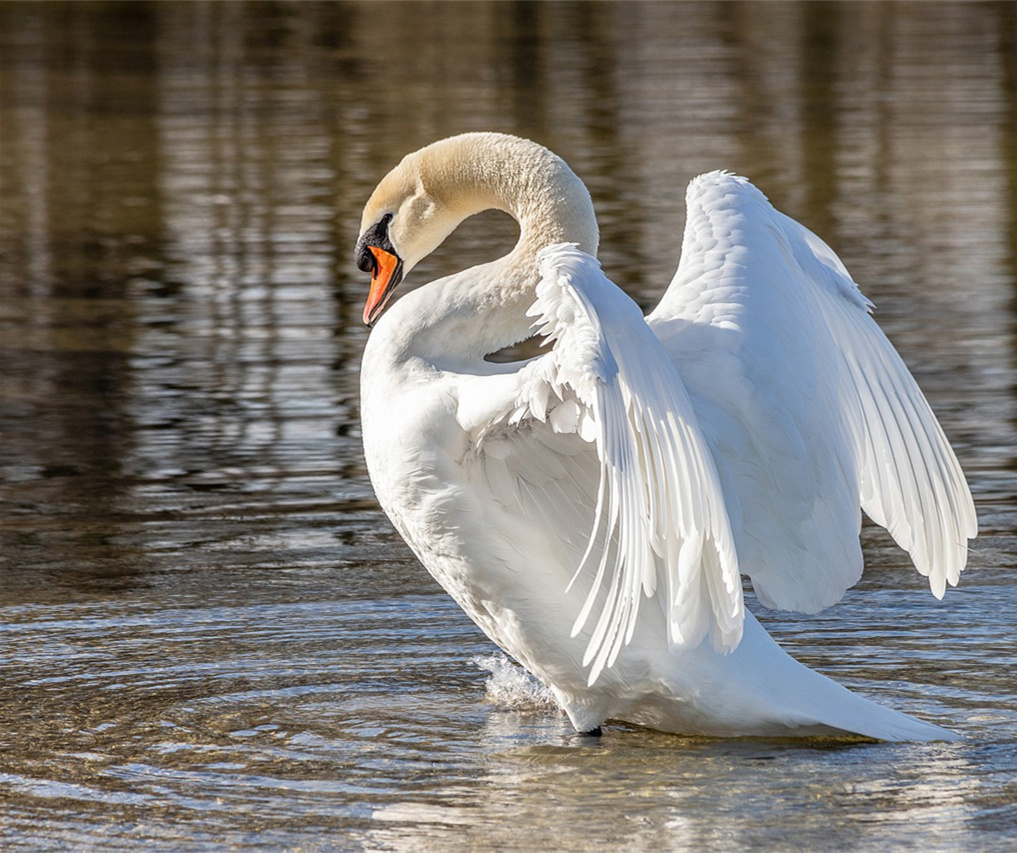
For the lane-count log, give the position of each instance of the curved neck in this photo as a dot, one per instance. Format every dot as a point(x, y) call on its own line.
point(480, 171)
point(483, 309)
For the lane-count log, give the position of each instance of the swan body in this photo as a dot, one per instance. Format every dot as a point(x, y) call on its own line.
point(594, 509)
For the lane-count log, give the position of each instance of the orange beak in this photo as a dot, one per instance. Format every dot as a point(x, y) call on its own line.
point(387, 273)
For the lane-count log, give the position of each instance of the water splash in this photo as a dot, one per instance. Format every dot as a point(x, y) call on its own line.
point(511, 686)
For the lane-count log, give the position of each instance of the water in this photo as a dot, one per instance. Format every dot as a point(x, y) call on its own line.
point(209, 634)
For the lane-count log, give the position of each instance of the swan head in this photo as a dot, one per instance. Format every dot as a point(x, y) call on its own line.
point(403, 223)
point(423, 199)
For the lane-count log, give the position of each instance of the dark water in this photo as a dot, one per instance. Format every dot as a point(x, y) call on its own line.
point(209, 634)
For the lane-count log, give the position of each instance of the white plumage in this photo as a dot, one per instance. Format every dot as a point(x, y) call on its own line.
point(593, 509)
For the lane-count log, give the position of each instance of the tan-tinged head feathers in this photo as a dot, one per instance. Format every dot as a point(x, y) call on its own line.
point(424, 198)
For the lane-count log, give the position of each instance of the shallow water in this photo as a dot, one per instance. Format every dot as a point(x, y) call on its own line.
point(210, 635)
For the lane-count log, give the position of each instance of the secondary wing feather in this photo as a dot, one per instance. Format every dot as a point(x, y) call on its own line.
point(809, 410)
point(659, 524)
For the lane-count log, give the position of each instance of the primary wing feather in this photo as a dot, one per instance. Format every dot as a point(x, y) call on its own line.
point(809, 410)
point(658, 528)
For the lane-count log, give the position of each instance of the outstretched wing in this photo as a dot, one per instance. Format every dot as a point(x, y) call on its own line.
point(659, 527)
point(809, 410)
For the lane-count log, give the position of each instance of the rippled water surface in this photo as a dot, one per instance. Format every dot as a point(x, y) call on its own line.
point(209, 634)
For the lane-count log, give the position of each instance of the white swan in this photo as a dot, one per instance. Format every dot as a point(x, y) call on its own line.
point(593, 509)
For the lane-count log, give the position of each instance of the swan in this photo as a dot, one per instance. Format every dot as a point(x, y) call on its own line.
point(593, 509)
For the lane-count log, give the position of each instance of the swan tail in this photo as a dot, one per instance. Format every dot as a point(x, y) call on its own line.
point(809, 699)
point(834, 706)
point(759, 690)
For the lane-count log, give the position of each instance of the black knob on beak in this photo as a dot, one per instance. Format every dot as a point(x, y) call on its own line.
point(376, 235)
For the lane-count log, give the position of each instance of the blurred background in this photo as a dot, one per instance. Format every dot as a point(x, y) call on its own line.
point(200, 600)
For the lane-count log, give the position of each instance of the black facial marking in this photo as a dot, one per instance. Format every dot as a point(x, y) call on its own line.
point(376, 235)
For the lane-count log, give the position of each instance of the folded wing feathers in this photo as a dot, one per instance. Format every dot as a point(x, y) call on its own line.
point(660, 510)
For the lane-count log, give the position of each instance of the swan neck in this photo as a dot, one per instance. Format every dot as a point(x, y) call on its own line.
point(483, 309)
point(477, 172)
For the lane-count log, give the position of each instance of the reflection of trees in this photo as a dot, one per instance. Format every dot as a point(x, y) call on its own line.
point(78, 209)
point(182, 186)
point(179, 317)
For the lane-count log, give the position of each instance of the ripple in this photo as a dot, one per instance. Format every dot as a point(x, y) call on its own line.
point(211, 637)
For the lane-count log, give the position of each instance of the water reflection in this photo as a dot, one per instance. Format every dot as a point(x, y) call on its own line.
point(210, 635)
